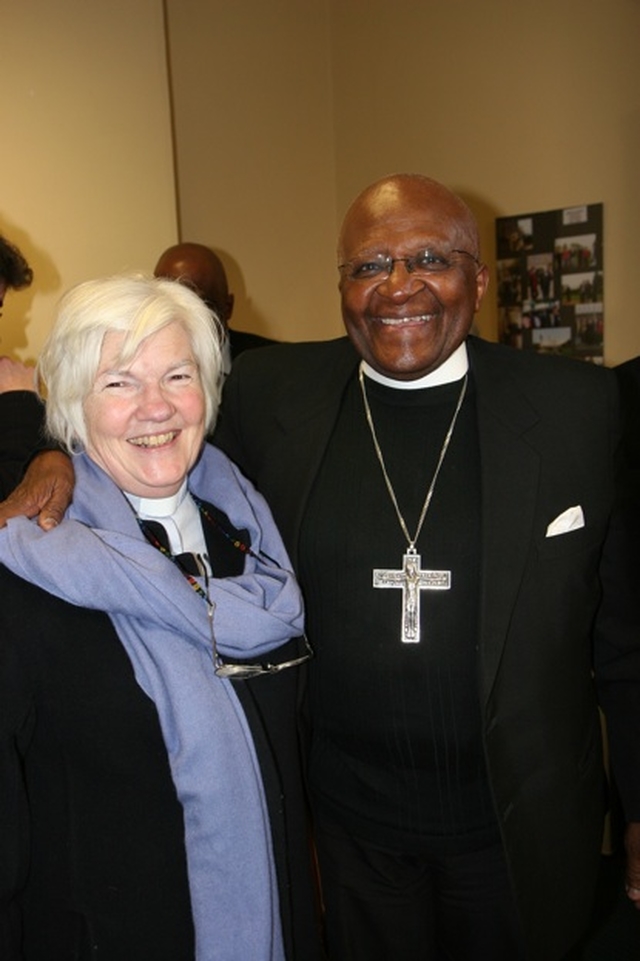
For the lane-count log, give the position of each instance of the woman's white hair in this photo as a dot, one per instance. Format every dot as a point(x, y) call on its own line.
point(138, 306)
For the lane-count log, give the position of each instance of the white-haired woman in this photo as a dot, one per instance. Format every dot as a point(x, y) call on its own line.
point(151, 798)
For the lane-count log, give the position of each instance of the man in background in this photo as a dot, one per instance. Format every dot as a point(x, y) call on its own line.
point(200, 268)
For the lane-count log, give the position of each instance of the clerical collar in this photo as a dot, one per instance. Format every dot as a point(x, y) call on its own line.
point(151, 507)
point(180, 517)
point(453, 369)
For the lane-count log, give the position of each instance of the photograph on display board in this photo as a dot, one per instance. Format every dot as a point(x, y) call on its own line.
point(550, 281)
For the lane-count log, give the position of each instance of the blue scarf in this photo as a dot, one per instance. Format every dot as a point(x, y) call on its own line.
point(162, 623)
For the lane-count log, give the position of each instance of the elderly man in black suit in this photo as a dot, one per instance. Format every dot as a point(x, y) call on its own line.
point(449, 507)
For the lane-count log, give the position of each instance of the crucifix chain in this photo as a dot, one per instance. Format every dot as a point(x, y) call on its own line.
point(410, 578)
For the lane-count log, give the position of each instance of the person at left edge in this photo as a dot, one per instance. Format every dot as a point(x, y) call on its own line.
point(21, 413)
point(152, 803)
point(22, 419)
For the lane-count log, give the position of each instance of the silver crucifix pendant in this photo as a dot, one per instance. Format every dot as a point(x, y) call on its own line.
point(412, 580)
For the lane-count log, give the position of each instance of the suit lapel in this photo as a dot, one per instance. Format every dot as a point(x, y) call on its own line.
point(306, 418)
point(509, 474)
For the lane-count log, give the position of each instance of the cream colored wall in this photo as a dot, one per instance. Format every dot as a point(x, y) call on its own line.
point(285, 110)
point(255, 155)
point(86, 169)
point(518, 106)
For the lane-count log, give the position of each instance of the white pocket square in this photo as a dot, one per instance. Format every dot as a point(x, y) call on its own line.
point(569, 520)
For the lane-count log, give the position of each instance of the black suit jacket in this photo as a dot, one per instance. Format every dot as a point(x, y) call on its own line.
point(547, 431)
point(628, 375)
point(241, 340)
point(91, 831)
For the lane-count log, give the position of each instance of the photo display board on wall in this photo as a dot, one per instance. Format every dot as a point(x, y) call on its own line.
point(550, 281)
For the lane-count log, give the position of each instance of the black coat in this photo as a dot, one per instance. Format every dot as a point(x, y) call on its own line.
point(92, 859)
point(241, 340)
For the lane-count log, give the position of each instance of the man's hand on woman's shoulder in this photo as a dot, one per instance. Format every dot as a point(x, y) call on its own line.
point(45, 491)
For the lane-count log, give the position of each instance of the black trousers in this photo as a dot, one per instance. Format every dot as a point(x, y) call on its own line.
point(385, 906)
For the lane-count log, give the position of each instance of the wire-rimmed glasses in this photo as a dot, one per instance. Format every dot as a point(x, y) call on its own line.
point(377, 267)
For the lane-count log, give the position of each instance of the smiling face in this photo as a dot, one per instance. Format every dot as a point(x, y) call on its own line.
point(407, 324)
point(145, 419)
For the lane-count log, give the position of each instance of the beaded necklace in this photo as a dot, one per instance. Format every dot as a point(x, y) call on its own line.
point(237, 543)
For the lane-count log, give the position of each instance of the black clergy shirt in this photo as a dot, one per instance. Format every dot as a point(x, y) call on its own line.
point(397, 756)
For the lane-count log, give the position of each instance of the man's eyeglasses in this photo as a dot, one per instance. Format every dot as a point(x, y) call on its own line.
point(378, 267)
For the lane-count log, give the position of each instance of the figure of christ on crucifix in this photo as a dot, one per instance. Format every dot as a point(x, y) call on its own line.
point(412, 580)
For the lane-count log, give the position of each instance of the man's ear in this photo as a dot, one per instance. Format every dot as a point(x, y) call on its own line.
point(230, 302)
point(482, 282)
